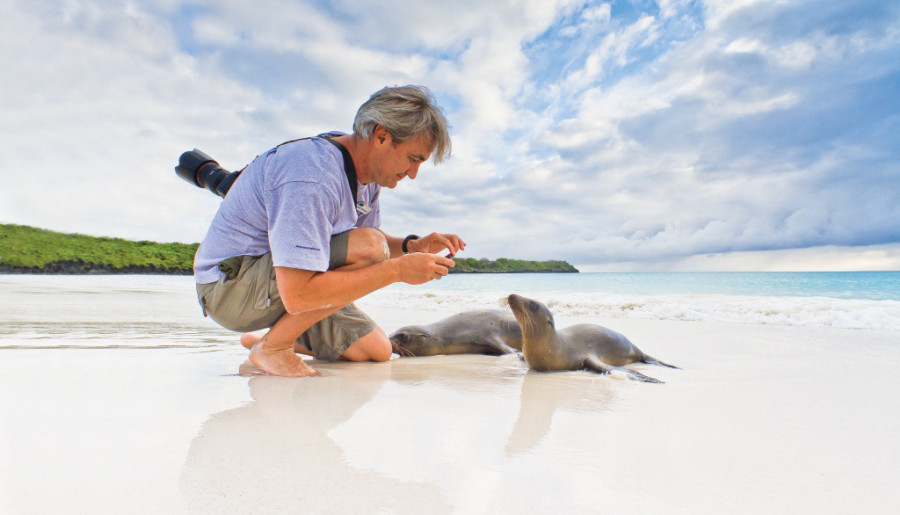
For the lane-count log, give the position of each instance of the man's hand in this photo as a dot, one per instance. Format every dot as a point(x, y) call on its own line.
point(435, 242)
point(422, 267)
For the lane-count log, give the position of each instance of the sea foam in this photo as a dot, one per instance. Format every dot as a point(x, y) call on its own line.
point(794, 311)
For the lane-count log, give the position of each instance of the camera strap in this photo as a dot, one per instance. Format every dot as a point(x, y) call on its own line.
point(349, 167)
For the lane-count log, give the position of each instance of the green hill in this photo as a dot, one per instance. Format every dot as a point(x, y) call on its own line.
point(503, 265)
point(31, 250)
point(26, 249)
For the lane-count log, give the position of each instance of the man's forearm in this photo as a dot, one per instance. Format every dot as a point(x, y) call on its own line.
point(303, 291)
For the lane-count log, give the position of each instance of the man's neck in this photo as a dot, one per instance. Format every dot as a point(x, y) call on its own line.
point(359, 153)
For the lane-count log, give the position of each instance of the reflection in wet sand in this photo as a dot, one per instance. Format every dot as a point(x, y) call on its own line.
point(544, 393)
point(540, 396)
point(275, 455)
point(463, 423)
point(463, 372)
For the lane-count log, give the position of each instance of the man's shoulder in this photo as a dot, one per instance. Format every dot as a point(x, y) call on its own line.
point(306, 160)
point(311, 152)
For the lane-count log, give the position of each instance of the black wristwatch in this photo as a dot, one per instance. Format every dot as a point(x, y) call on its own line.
point(403, 246)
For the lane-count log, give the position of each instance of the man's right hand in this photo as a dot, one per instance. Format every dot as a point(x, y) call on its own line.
point(419, 268)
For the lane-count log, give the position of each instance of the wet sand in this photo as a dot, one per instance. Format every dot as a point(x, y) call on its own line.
point(761, 419)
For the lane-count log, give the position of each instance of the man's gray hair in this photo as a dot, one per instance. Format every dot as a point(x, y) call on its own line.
point(407, 112)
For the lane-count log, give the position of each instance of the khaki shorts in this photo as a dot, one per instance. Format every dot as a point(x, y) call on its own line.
point(246, 299)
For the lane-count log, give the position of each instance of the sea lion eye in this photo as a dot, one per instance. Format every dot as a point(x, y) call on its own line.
point(402, 338)
point(533, 306)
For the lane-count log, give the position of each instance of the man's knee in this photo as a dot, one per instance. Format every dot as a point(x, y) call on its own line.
point(367, 247)
point(374, 346)
point(381, 352)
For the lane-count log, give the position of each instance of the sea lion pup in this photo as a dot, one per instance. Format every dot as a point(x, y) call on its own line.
point(579, 347)
point(488, 332)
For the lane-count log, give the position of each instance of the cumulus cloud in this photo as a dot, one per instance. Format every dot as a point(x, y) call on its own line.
point(741, 137)
point(596, 132)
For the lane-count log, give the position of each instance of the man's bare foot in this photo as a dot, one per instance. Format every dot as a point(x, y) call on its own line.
point(248, 340)
point(280, 362)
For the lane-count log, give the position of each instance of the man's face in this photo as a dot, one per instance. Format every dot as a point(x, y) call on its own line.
point(392, 162)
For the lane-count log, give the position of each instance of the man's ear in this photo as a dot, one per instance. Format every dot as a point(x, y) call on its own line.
point(381, 136)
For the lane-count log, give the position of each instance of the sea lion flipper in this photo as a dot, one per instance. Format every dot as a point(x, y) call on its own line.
point(653, 361)
point(637, 376)
point(499, 345)
point(594, 363)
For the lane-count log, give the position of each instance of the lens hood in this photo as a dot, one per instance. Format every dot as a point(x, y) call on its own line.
point(189, 165)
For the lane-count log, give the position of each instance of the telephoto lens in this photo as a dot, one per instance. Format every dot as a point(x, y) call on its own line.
point(203, 171)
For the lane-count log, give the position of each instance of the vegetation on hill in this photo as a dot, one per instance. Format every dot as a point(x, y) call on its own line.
point(26, 249)
point(503, 265)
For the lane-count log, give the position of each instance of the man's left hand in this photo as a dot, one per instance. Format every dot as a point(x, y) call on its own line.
point(436, 242)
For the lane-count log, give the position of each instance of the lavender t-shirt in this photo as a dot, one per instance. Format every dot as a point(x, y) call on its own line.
point(289, 201)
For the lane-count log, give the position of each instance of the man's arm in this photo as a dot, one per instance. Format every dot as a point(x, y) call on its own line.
point(432, 243)
point(306, 290)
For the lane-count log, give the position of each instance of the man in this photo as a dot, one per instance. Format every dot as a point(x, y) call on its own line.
point(292, 246)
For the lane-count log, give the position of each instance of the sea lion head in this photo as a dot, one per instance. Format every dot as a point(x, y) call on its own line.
point(415, 340)
point(534, 317)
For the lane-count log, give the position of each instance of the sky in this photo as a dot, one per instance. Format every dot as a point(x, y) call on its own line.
point(619, 136)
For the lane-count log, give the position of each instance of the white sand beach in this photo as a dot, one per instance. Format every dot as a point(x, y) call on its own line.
point(130, 402)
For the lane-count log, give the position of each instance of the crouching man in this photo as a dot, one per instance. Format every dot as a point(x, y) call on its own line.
point(296, 240)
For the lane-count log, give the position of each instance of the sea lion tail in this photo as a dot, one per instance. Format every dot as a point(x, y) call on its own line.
point(653, 361)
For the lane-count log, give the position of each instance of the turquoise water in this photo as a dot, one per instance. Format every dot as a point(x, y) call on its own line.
point(854, 300)
point(857, 300)
point(838, 285)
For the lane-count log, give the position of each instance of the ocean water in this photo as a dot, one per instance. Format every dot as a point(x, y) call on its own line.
point(857, 300)
point(131, 310)
point(838, 285)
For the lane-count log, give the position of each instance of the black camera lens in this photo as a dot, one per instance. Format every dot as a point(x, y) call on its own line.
point(203, 171)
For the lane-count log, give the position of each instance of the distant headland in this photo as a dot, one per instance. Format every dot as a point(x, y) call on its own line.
point(29, 250)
